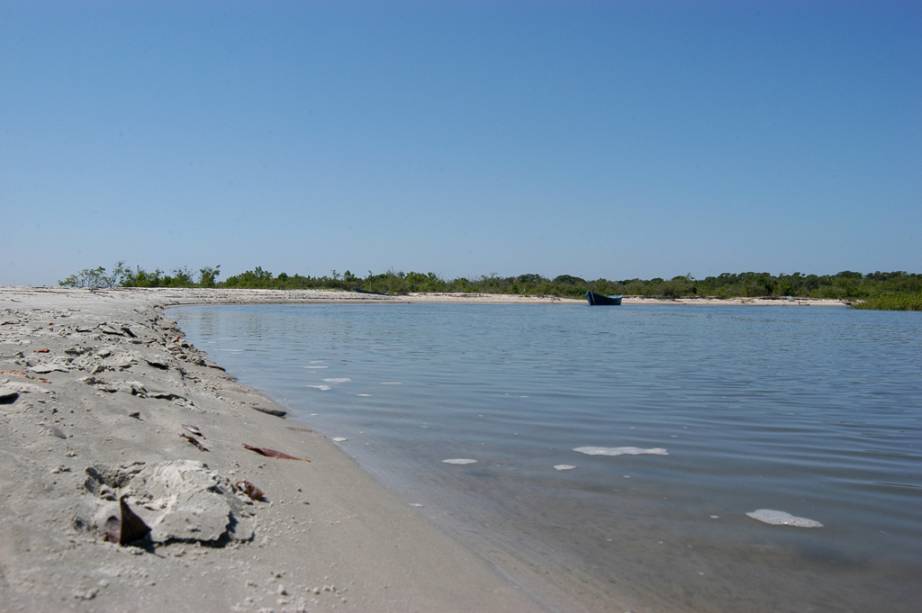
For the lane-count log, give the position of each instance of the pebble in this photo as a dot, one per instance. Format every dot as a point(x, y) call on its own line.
point(89, 594)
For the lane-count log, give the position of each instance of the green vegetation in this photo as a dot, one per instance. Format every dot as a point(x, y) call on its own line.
point(893, 302)
point(878, 290)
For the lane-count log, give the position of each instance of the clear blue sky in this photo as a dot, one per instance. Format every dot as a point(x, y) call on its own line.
point(607, 139)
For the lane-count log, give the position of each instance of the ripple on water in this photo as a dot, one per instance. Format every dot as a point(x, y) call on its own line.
point(459, 461)
point(615, 451)
point(322, 388)
point(563, 467)
point(337, 380)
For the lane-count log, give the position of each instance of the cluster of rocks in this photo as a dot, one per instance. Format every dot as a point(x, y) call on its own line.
point(165, 502)
point(146, 504)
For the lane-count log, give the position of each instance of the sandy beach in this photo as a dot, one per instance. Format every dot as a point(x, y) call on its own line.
point(103, 401)
point(115, 429)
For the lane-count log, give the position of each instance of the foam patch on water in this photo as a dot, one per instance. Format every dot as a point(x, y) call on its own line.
point(339, 439)
point(459, 461)
point(338, 380)
point(364, 395)
point(391, 383)
point(322, 388)
point(614, 451)
point(783, 518)
point(563, 467)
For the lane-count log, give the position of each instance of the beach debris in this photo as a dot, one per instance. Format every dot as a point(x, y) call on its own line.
point(103, 481)
point(8, 395)
point(251, 491)
point(269, 410)
point(616, 451)
point(126, 527)
point(299, 428)
point(99, 383)
point(563, 467)
point(107, 329)
point(88, 594)
point(180, 501)
point(459, 461)
point(782, 518)
point(193, 441)
point(19, 374)
point(272, 453)
point(43, 350)
point(48, 367)
point(162, 395)
point(128, 332)
point(123, 361)
point(193, 430)
point(25, 388)
point(157, 363)
point(135, 388)
point(215, 366)
point(135, 415)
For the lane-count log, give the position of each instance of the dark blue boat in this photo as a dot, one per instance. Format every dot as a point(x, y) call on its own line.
point(602, 300)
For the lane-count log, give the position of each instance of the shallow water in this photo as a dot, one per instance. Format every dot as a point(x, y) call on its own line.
point(704, 414)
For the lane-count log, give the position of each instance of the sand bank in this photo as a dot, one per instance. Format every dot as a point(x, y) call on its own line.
point(101, 397)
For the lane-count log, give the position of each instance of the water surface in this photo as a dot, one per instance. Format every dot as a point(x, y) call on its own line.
point(812, 411)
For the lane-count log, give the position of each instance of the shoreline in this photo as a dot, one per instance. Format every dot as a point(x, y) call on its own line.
point(102, 381)
point(330, 537)
point(166, 297)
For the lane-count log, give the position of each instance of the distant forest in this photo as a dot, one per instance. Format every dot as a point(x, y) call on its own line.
point(899, 290)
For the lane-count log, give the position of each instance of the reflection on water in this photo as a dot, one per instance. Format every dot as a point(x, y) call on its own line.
point(619, 450)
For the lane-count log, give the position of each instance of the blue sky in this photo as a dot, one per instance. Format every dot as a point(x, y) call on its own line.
point(606, 139)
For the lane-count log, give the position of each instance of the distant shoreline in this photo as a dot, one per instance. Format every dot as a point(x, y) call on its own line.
point(190, 296)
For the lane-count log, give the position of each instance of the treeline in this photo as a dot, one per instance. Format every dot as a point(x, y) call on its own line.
point(897, 289)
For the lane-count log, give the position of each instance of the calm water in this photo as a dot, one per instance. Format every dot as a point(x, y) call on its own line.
point(816, 412)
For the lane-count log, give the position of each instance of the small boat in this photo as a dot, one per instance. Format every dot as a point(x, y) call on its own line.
point(601, 300)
